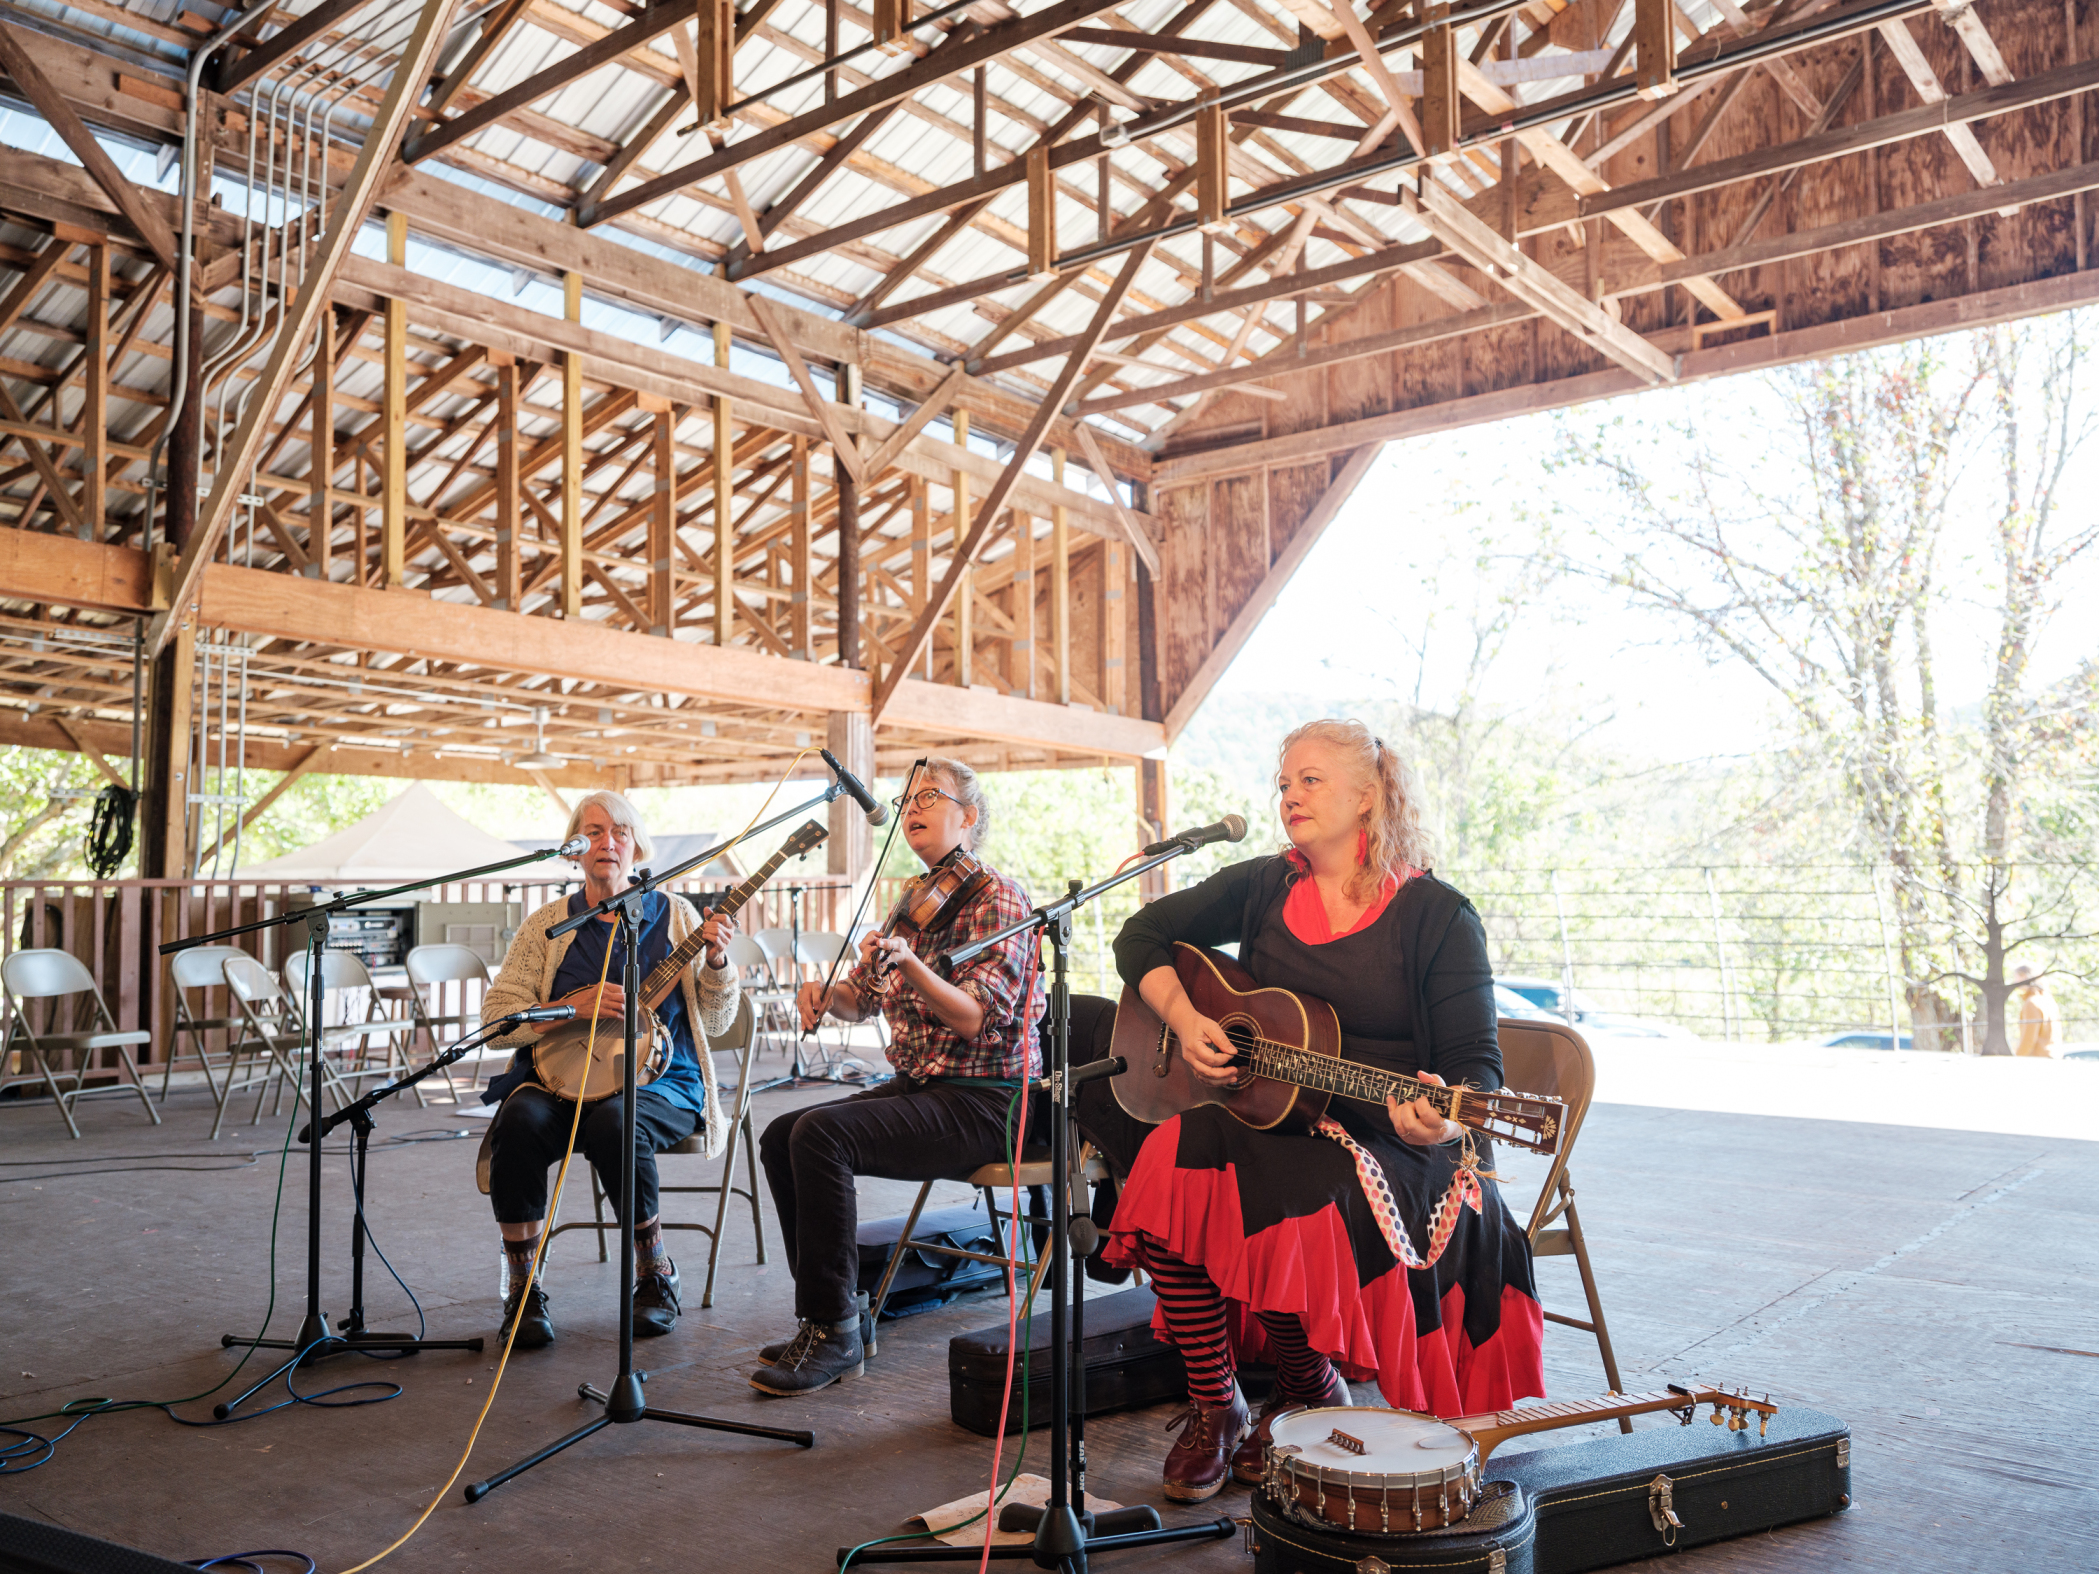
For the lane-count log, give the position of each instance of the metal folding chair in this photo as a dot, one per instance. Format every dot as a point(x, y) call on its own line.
point(53, 975)
point(200, 968)
point(344, 975)
point(273, 1037)
point(432, 967)
point(774, 1006)
point(1549, 1058)
point(741, 1041)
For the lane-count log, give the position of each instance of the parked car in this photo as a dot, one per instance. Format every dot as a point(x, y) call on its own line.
point(1546, 997)
point(2086, 1053)
point(1509, 1004)
point(1863, 1038)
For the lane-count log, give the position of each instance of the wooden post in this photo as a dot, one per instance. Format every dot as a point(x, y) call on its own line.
point(921, 555)
point(889, 19)
point(1060, 588)
point(1114, 627)
point(966, 593)
point(320, 470)
point(165, 799)
point(572, 459)
point(94, 414)
point(509, 487)
point(1213, 151)
point(724, 497)
point(663, 525)
point(1042, 214)
point(1152, 809)
point(393, 484)
point(848, 563)
point(1442, 106)
point(714, 54)
point(850, 736)
point(799, 642)
point(1654, 42)
point(1023, 674)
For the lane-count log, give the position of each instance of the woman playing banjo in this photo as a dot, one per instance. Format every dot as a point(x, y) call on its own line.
point(960, 1038)
point(1303, 1247)
point(531, 1129)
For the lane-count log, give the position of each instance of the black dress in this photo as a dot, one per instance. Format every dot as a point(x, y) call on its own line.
point(1281, 1223)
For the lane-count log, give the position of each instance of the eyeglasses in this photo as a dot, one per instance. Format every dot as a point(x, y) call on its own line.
point(925, 798)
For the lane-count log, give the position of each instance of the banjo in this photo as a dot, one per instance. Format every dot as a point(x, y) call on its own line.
point(564, 1061)
point(1387, 1472)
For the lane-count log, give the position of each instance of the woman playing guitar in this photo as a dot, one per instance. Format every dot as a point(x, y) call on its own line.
point(959, 1040)
point(531, 1129)
point(1295, 1245)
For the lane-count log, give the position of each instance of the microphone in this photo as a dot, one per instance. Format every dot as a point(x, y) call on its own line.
point(574, 847)
point(542, 1014)
point(877, 813)
point(1231, 828)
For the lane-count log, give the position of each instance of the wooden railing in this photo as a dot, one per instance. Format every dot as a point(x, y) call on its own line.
point(116, 926)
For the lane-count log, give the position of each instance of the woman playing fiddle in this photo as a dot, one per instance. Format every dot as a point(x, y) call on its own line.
point(960, 1041)
point(1316, 1249)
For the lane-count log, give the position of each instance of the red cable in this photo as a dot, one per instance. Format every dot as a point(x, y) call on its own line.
point(998, 1442)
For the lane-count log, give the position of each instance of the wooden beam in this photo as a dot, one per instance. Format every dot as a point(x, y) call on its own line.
point(1060, 592)
point(94, 406)
point(914, 642)
point(255, 811)
point(295, 329)
point(1164, 44)
point(320, 469)
point(539, 779)
point(393, 416)
point(144, 219)
point(663, 524)
point(95, 756)
point(41, 266)
point(1139, 537)
point(934, 404)
point(495, 26)
point(801, 615)
point(965, 594)
point(509, 488)
point(234, 72)
point(1286, 564)
point(826, 413)
point(571, 548)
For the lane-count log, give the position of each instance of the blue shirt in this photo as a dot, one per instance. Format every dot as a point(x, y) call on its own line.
point(680, 1082)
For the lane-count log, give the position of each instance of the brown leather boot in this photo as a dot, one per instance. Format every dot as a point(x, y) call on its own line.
point(1251, 1460)
point(1201, 1462)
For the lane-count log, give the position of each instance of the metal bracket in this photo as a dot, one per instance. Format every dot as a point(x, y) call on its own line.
point(1661, 1508)
point(1497, 1561)
point(1373, 1565)
point(1843, 1453)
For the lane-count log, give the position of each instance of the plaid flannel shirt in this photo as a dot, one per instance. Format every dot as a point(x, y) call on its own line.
point(924, 1047)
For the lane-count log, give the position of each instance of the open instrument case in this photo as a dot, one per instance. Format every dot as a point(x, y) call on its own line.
point(1589, 1505)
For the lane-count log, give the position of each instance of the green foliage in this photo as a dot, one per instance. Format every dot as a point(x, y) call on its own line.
point(41, 835)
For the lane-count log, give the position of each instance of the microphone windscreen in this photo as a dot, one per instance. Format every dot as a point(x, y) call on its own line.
point(1235, 827)
point(574, 847)
point(878, 815)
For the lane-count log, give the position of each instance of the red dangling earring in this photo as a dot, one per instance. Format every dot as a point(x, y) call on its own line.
point(1362, 847)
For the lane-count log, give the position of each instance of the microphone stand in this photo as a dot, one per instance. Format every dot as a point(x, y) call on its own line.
point(358, 1116)
point(1066, 1531)
point(316, 1340)
point(623, 1400)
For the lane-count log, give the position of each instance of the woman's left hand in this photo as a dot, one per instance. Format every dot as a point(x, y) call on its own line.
point(897, 952)
point(716, 932)
point(1419, 1122)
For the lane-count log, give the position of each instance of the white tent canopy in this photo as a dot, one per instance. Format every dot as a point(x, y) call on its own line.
point(410, 836)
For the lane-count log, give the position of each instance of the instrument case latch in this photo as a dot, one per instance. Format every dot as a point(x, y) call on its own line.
point(1661, 1508)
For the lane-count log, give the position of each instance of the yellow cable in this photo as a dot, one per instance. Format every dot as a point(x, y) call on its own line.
point(546, 1235)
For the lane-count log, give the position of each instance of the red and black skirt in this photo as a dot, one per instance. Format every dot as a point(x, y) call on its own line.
point(1280, 1223)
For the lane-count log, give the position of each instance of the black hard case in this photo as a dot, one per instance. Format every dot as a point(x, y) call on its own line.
point(926, 1279)
point(1593, 1499)
point(1126, 1366)
point(1499, 1537)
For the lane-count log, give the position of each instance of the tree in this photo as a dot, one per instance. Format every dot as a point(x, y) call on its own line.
point(1813, 553)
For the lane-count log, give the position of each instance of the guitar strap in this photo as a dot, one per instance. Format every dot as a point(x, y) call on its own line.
point(1463, 1192)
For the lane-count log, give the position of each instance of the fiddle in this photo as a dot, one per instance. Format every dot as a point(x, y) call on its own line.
point(933, 900)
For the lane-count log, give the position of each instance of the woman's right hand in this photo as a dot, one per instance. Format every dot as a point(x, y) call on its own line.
point(1204, 1045)
point(810, 1001)
point(605, 1001)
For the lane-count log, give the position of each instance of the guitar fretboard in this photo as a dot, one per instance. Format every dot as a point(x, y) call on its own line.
point(1344, 1078)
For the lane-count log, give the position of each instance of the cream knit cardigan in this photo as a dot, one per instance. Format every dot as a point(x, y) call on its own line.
point(527, 979)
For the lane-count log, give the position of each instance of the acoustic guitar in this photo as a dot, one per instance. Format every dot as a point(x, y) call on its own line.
point(1291, 1065)
point(565, 1062)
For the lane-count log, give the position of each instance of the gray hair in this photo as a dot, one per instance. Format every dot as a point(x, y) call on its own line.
point(967, 790)
point(620, 812)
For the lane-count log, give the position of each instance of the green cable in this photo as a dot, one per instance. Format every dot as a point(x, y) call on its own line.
point(1027, 1339)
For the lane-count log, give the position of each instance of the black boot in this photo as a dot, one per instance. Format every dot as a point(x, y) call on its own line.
point(535, 1328)
point(769, 1353)
point(819, 1355)
point(656, 1303)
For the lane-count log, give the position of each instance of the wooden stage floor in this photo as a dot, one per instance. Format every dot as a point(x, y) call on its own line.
point(1920, 1281)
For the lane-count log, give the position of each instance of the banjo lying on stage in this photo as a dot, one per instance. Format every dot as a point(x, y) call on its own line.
point(1290, 1051)
point(564, 1061)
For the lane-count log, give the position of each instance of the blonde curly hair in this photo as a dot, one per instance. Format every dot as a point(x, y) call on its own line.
point(1396, 840)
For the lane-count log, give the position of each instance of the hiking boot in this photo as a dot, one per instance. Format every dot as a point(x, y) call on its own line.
point(769, 1353)
point(1201, 1461)
point(535, 1329)
point(656, 1303)
point(817, 1356)
point(1250, 1463)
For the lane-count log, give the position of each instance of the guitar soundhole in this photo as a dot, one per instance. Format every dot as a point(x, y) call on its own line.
point(1245, 1036)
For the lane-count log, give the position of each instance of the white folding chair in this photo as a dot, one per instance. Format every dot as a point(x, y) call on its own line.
point(345, 978)
point(44, 974)
point(200, 968)
point(432, 967)
point(273, 1037)
point(774, 1006)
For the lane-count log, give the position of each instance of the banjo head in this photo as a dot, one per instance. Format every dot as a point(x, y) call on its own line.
point(1372, 1469)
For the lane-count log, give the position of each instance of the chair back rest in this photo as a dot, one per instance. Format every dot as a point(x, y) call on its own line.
point(446, 964)
point(820, 947)
point(339, 970)
point(778, 946)
point(251, 983)
point(746, 954)
point(1551, 1059)
point(741, 1040)
point(202, 967)
point(43, 973)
